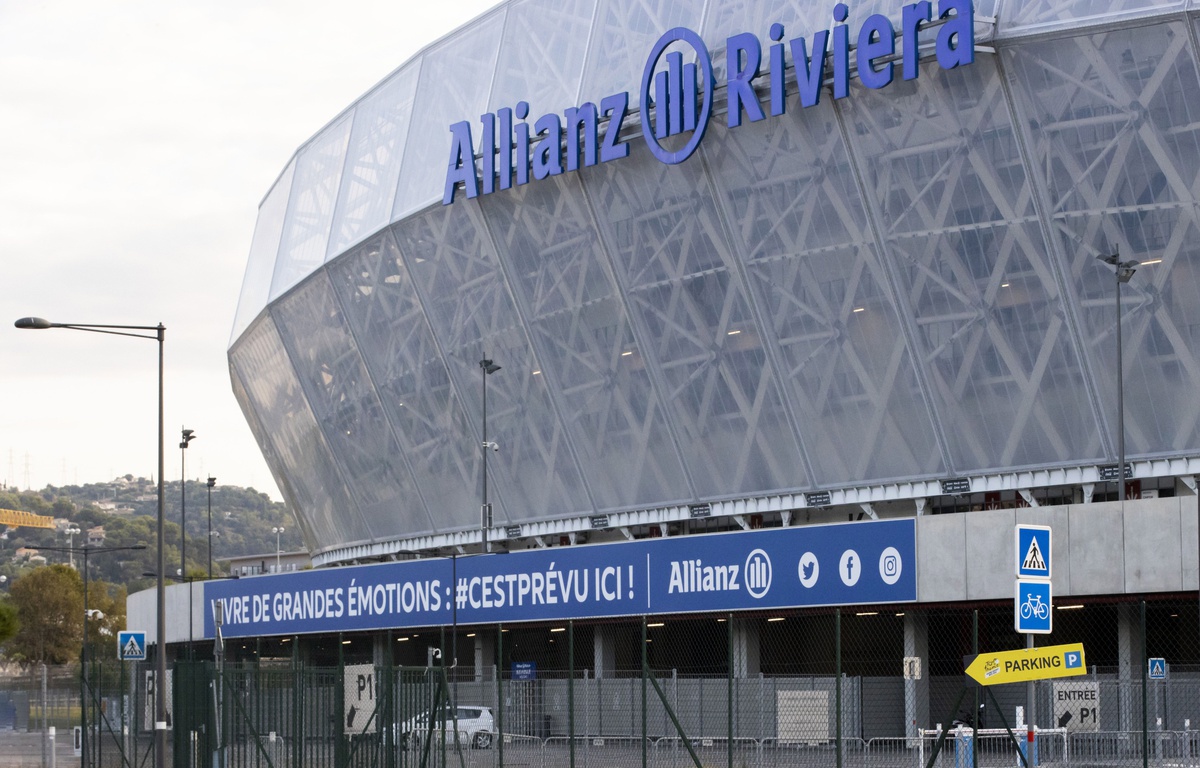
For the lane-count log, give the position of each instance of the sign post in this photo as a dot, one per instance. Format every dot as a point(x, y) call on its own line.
point(1033, 608)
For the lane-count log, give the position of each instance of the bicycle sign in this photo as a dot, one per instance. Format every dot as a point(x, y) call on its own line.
point(1033, 612)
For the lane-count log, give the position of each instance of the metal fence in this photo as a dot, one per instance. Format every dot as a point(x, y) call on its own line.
point(881, 687)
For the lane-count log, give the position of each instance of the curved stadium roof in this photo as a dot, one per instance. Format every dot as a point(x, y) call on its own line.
point(884, 289)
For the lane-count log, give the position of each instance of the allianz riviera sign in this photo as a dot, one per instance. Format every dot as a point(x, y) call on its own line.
point(514, 151)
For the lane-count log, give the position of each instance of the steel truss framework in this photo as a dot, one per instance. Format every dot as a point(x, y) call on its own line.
point(869, 294)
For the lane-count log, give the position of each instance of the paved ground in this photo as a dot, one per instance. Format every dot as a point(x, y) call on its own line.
point(19, 749)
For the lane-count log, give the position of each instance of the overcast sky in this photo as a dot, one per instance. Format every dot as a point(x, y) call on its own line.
point(137, 138)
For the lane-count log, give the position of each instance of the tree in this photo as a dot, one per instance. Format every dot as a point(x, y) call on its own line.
point(106, 604)
point(8, 620)
point(49, 603)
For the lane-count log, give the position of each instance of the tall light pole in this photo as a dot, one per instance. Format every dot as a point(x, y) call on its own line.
point(485, 511)
point(1124, 271)
point(160, 672)
point(277, 531)
point(212, 482)
point(188, 436)
point(71, 530)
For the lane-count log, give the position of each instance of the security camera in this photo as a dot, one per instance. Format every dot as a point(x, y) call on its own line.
point(493, 446)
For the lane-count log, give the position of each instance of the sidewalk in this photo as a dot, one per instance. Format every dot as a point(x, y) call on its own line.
point(19, 749)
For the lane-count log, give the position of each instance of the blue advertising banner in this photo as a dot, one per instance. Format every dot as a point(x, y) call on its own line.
point(849, 563)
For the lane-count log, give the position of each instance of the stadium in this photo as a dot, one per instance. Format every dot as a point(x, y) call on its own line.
point(663, 298)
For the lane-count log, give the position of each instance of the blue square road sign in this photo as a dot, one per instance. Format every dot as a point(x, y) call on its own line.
point(1033, 613)
point(1033, 552)
point(131, 646)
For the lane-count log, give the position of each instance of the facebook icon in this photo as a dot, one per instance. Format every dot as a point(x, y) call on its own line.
point(848, 568)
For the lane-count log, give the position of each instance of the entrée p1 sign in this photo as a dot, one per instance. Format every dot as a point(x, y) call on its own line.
point(683, 95)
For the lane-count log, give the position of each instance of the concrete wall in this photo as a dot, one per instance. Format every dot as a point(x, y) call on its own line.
point(1097, 549)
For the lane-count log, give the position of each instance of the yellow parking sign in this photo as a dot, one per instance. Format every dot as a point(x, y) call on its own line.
point(1026, 664)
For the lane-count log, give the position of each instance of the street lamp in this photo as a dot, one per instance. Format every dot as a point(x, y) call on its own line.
point(212, 482)
point(188, 436)
point(71, 530)
point(1124, 271)
point(485, 511)
point(277, 531)
point(160, 673)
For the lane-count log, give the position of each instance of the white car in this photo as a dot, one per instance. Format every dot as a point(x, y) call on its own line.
point(474, 723)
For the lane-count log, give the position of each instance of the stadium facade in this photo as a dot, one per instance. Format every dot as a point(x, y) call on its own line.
point(861, 297)
point(734, 291)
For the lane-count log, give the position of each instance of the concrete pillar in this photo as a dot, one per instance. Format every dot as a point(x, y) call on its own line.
point(379, 649)
point(916, 688)
point(485, 655)
point(1129, 664)
point(745, 648)
point(604, 651)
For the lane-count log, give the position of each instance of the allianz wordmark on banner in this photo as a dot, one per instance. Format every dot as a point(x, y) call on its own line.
point(683, 95)
point(849, 563)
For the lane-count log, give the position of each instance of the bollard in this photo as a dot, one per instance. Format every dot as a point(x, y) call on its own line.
point(53, 756)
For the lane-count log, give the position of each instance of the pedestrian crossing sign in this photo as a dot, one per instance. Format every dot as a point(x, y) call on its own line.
point(131, 646)
point(1033, 552)
point(1157, 668)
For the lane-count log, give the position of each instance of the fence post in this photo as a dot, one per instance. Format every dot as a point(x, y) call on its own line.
point(975, 716)
point(837, 660)
point(571, 689)
point(645, 672)
point(44, 731)
point(1145, 709)
point(729, 691)
point(339, 707)
point(500, 694)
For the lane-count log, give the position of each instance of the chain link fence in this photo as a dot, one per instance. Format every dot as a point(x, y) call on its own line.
point(879, 686)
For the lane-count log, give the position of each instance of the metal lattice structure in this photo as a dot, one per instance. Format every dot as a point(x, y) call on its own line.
point(878, 291)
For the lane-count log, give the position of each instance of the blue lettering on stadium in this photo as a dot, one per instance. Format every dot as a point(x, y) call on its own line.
point(512, 151)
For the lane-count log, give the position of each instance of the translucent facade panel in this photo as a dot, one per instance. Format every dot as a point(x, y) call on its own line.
point(310, 208)
point(1036, 15)
point(431, 431)
point(541, 59)
point(256, 285)
point(812, 265)
point(946, 173)
point(1119, 141)
point(622, 36)
point(274, 393)
point(373, 159)
point(262, 437)
point(456, 78)
point(348, 408)
point(584, 340)
point(695, 326)
point(456, 273)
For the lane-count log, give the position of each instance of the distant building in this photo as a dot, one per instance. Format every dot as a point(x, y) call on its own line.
point(256, 565)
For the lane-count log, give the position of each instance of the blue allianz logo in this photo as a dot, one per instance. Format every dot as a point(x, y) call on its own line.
point(682, 95)
point(515, 148)
point(758, 574)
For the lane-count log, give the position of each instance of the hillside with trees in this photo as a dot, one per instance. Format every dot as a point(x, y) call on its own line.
point(41, 582)
point(127, 507)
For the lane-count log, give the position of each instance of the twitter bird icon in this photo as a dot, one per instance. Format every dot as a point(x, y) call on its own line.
point(809, 569)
